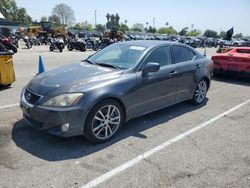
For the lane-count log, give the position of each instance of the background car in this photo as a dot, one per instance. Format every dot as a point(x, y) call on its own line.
point(123, 81)
point(236, 60)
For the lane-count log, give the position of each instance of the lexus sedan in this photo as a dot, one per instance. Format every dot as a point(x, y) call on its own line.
point(125, 80)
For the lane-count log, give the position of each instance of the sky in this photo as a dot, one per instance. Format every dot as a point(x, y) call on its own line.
point(218, 15)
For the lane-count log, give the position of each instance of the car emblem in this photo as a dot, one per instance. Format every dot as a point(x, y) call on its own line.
point(28, 96)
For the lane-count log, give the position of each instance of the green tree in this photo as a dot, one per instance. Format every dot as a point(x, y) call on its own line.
point(167, 30)
point(210, 33)
point(64, 13)
point(238, 35)
point(11, 12)
point(83, 26)
point(184, 31)
point(55, 20)
point(100, 28)
point(138, 27)
point(43, 19)
point(222, 34)
point(124, 28)
point(151, 29)
point(194, 33)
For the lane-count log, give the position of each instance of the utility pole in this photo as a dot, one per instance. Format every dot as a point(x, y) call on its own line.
point(95, 18)
point(153, 22)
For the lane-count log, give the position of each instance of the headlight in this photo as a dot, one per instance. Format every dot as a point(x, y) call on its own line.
point(64, 100)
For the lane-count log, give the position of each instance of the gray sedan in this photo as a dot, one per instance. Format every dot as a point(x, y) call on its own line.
point(123, 81)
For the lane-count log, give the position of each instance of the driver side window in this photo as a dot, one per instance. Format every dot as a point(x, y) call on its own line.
point(160, 55)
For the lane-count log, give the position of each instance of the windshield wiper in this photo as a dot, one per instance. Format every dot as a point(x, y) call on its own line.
point(107, 65)
point(88, 61)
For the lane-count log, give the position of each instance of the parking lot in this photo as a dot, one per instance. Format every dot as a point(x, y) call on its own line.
point(180, 146)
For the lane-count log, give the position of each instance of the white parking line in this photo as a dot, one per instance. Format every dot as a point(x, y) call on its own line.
point(158, 148)
point(9, 106)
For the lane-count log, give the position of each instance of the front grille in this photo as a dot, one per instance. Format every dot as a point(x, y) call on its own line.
point(31, 97)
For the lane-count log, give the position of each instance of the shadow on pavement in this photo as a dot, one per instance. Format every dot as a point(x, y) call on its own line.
point(232, 79)
point(51, 148)
point(4, 87)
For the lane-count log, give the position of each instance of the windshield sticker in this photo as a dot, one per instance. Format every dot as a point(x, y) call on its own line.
point(140, 48)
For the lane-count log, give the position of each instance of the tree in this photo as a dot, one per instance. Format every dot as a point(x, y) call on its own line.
point(194, 33)
point(43, 19)
point(210, 33)
point(238, 35)
point(151, 29)
point(124, 28)
point(139, 27)
point(100, 28)
point(64, 13)
point(184, 31)
point(55, 20)
point(222, 34)
point(167, 30)
point(83, 26)
point(11, 12)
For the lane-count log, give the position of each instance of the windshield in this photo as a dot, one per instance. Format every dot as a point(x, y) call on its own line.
point(119, 55)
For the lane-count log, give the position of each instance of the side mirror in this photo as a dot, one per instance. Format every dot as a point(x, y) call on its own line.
point(150, 67)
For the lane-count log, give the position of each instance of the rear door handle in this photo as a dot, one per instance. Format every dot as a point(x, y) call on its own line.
point(173, 73)
point(198, 66)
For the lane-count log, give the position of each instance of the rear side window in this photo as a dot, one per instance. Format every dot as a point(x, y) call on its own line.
point(182, 54)
point(161, 55)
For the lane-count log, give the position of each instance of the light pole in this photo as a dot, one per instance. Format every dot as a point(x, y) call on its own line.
point(153, 22)
point(95, 18)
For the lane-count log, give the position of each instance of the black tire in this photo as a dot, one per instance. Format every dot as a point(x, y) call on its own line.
point(51, 48)
point(91, 121)
point(61, 49)
point(70, 48)
point(83, 49)
point(13, 48)
point(200, 92)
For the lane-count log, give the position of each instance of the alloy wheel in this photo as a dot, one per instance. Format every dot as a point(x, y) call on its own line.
point(201, 91)
point(106, 122)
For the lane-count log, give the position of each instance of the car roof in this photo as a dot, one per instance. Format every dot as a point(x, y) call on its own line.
point(149, 43)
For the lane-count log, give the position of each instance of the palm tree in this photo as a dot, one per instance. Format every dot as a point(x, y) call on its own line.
point(112, 18)
point(108, 17)
point(117, 18)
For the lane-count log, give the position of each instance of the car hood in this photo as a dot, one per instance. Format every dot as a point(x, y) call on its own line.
point(71, 78)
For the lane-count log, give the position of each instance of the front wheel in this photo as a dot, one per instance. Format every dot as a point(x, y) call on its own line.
point(51, 48)
point(13, 48)
point(200, 92)
point(104, 121)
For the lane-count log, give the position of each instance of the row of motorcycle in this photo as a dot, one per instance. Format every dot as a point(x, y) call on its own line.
point(80, 44)
point(72, 43)
point(11, 43)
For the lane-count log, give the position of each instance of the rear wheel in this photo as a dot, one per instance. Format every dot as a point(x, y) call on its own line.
point(104, 121)
point(200, 92)
point(70, 48)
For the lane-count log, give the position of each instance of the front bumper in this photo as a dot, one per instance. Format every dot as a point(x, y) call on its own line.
point(52, 119)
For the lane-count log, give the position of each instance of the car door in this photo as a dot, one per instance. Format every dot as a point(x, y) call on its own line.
point(156, 90)
point(188, 68)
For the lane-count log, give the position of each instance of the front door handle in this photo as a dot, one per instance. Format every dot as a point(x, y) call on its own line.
point(173, 73)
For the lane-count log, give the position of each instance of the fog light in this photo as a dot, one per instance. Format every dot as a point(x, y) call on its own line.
point(65, 127)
